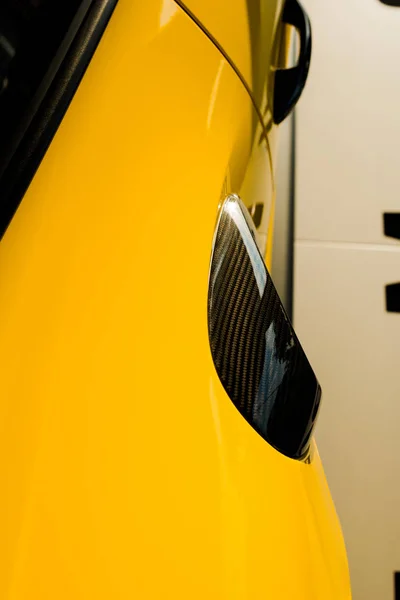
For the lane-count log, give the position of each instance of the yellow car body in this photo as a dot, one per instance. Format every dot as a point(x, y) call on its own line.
point(127, 472)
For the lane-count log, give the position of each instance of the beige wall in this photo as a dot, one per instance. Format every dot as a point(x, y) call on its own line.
point(282, 252)
point(348, 174)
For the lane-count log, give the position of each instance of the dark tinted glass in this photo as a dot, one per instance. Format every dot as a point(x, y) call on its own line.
point(32, 35)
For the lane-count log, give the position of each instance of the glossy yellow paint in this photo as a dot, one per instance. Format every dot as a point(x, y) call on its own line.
point(127, 472)
point(251, 35)
point(228, 24)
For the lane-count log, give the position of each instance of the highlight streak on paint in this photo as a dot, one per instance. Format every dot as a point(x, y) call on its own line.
point(214, 92)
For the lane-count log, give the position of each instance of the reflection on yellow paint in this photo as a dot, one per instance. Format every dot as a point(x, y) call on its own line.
point(169, 8)
point(214, 93)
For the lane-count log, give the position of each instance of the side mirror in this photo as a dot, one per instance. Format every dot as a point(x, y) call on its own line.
point(289, 83)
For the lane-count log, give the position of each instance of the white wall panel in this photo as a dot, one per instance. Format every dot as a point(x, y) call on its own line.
point(348, 135)
point(354, 346)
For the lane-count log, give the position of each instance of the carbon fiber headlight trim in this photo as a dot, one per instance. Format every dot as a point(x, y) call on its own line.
point(257, 355)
